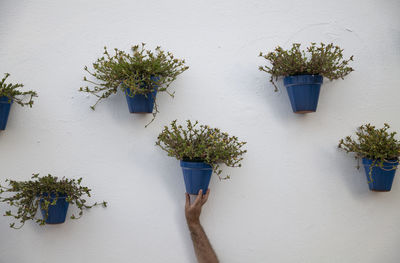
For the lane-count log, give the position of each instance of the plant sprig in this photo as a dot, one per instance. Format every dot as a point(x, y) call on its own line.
point(27, 196)
point(325, 60)
point(373, 143)
point(12, 92)
point(142, 72)
point(201, 143)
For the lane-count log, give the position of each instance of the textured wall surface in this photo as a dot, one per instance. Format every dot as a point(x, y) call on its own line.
point(297, 198)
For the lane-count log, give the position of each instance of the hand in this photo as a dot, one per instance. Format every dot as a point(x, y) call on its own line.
point(193, 211)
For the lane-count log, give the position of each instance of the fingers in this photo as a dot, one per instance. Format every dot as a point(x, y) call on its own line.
point(205, 197)
point(198, 198)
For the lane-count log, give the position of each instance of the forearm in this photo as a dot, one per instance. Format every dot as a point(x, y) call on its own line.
point(202, 247)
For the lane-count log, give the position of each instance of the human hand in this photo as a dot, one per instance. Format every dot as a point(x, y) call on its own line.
point(193, 211)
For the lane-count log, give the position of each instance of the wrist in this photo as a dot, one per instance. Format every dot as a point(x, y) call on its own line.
point(193, 224)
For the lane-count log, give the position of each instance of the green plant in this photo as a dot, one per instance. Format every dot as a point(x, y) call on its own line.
point(325, 60)
point(28, 195)
point(12, 92)
point(142, 72)
point(201, 143)
point(372, 143)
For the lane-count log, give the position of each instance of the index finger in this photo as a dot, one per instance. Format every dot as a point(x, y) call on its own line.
point(205, 197)
point(198, 198)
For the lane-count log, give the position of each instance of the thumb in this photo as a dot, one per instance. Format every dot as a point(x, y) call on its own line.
point(187, 204)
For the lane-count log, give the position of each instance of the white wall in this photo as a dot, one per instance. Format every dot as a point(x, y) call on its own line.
point(296, 198)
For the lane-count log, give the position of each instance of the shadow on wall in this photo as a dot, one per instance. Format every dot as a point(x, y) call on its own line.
point(259, 88)
point(172, 180)
point(279, 103)
point(115, 109)
point(354, 178)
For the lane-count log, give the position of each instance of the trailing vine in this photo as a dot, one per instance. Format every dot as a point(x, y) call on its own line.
point(13, 93)
point(200, 143)
point(143, 72)
point(376, 144)
point(325, 60)
point(27, 195)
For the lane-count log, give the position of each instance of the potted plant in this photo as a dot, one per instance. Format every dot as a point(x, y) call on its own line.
point(140, 76)
point(379, 151)
point(303, 71)
point(10, 93)
point(201, 150)
point(48, 193)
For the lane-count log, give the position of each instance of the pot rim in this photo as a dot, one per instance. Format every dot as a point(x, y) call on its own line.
point(195, 165)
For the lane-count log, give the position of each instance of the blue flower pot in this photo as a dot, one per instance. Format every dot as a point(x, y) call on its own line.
point(57, 212)
point(197, 176)
point(140, 103)
point(5, 107)
point(380, 179)
point(303, 91)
